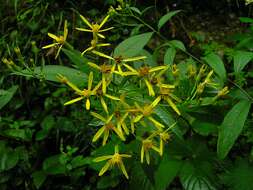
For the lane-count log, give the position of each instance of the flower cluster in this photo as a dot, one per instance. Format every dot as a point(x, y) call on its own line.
point(119, 115)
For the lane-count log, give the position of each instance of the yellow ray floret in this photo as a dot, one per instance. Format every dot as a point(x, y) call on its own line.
point(115, 159)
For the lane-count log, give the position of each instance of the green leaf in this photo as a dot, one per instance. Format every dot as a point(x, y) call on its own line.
point(50, 72)
point(246, 20)
point(8, 158)
point(239, 176)
point(215, 62)
point(169, 56)
point(166, 172)
point(53, 166)
point(231, 127)
point(166, 117)
point(24, 134)
point(204, 128)
point(38, 178)
point(76, 58)
point(193, 177)
point(177, 44)
point(6, 95)
point(133, 45)
point(165, 18)
point(241, 59)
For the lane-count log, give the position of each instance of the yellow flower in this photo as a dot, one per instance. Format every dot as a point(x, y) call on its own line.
point(147, 111)
point(144, 72)
point(121, 121)
point(106, 128)
point(223, 92)
point(119, 61)
point(115, 159)
point(95, 28)
point(148, 144)
point(85, 93)
point(60, 40)
point(99, 93)
point(165, 94)
point(94, 44)
point(106, 71)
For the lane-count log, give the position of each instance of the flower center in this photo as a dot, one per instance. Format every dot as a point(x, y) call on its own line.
point(61, 40)
point(95, 28)
point(105, 68)
point(143, 71)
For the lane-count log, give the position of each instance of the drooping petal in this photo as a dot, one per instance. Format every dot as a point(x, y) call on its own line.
point(154, 69)
point(106, 135)
point(102, 158)
point(98, 134)
point(147, 157)
point(138, 118)
point(90, 80)
point(58, 51)
point(84, 29)
point(156, 123)
point(56, 38)
point(112, 97)
point(88, 49)
point(155, 102)
point(105, 168)
point(86, 21)
point(101, 36)
point(106, 29)
point(93, 65)
point(134, 59)
point(130, 68)
point(87, 104)
point(123, 169)
point(104, 104)
point(119, 133)
point(50, 45)
point(103, 84)
point(65, 34)
point(73, 101)
point(142, 153)
point(104, 21)
point(102, 54)
point(102, 45)
point(174, 107)
point(151, 91)
point(98, 116)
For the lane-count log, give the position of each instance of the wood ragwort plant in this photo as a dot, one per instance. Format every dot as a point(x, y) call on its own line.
point(154, 119)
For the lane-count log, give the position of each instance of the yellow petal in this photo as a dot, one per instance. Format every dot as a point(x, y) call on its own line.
point(130, 68)
point(56, 38)
point(132, 127)
point(101, 36)
point(90, 80)
point(58, 51)
point(88, 49)
point(104, 104)
point(123, 169)
point(155, 102)
point(86, 21)
point(109, 118)
point(87, 104)
point(98, 134)
point(161, 146)
point(119, 133)
point(147, 157)
point(151, 91)
point(106, 135)
point(125, 155)
point(102, 45)
point(138, 118)
point(174, 107)
point(102, 158)
point(112, 97)
point(93, 65)
point(84, 29)
point(104, 21)
point(134, 58)
point(156, 123)
point(98, 116)
point(125, 128)
point(65, 34)
point(74, 87)
point(105, 168)
point(103, 84)
point(101, 54)
point(50, 45)
point(73, 101)
point(142, 153)
point(154, 69)
point(106, 29)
